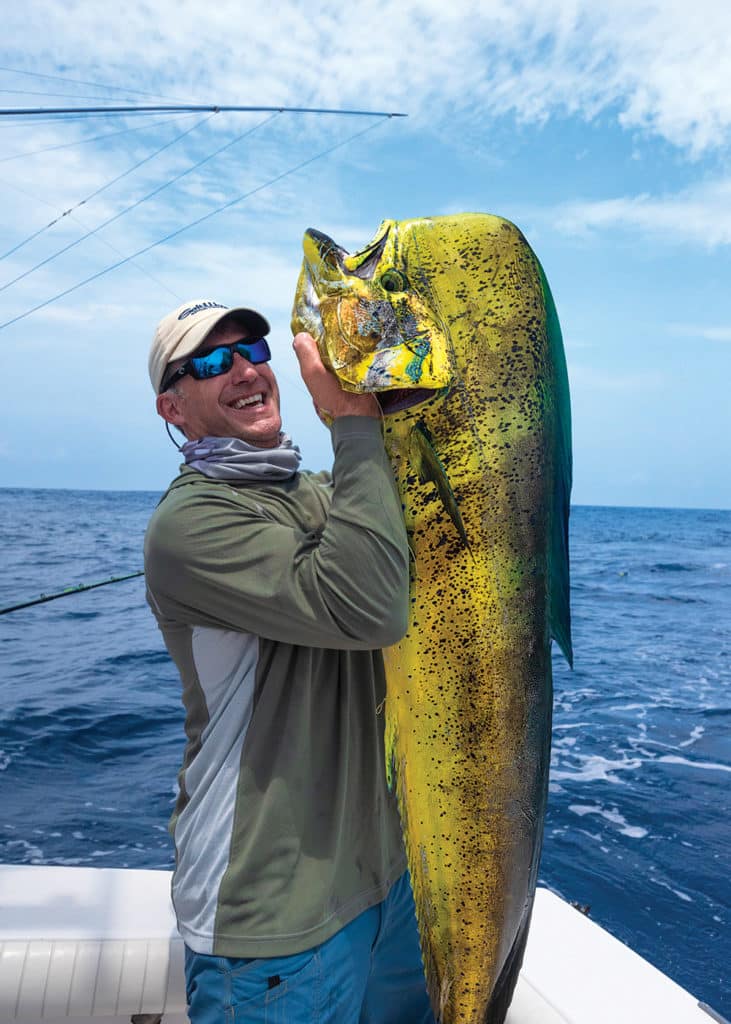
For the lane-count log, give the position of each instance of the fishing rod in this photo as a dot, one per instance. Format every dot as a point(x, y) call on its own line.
point(216, 108)
point(70, 590)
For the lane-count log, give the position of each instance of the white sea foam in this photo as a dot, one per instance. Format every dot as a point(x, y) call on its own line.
point(596, 836)
point(595, 768)
point(32, 854)
point(676, 892)
point(613, 815)
point(634, 742)
point(5, 760)
point(712, 766)
point(695, 734)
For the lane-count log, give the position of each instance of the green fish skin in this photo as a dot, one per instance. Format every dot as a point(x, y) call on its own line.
point(451, 323)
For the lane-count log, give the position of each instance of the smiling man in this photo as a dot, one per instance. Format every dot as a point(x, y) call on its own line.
point(242, 403)
point(274, 590)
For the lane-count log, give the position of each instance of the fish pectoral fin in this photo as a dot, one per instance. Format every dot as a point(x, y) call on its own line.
point(427, 464)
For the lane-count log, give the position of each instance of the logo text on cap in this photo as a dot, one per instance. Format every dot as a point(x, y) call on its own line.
point(201, 305)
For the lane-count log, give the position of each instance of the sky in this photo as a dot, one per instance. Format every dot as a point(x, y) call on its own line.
point(603, 131)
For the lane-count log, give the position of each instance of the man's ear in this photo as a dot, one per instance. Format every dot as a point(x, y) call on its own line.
point(169, 406)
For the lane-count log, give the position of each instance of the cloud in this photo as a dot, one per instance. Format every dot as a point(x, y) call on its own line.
point(657, 66)
point(722, 334)
point(589, 381)
point(700, 214)
point(236, 271)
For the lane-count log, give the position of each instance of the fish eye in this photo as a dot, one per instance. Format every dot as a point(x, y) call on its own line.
point(394, 281)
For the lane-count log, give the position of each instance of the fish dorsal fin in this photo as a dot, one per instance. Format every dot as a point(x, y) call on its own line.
point(427, 464)
point(363, 264)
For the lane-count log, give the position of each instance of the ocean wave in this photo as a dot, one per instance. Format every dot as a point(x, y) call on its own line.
point(595, 768)
point(131, 658)
point(20, 851)
point(612, 815)
point(711, 766)
point(676, 892)
point(696, 733)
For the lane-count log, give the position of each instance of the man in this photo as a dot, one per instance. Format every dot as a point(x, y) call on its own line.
point(274, 591)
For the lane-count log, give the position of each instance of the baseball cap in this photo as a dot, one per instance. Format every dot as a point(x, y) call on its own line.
point(181, 332)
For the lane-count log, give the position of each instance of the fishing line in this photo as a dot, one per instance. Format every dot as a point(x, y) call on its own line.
point(79, 81)
point(194, 223)
point(21, 119)
point(95, 138)
point(102, 241)
point(62, 95)
point(24, 122)
point(79, 588)
point(144, 199)
point(87, 199)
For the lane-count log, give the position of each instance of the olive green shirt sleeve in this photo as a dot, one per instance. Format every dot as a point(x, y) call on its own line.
point(215, 557)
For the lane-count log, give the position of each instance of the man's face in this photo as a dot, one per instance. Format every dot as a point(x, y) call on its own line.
point(243, 403)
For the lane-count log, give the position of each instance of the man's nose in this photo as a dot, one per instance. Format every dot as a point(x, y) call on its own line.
point(242, 369)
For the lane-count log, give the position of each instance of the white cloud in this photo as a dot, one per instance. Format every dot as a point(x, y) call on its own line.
point(722, 334)
point(236, 271)
point(90, 313)
point(658, 66)
point(700, 214)
point(588, 381)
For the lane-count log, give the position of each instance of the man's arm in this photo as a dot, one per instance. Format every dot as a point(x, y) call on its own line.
point(213, 561)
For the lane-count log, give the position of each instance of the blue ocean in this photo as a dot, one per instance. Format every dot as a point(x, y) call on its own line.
point(638, 822)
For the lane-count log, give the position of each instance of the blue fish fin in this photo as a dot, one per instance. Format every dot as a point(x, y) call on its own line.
point(558, 552)
point(426, 463)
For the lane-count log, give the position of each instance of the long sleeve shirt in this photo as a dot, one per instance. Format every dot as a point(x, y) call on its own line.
point(274, 600)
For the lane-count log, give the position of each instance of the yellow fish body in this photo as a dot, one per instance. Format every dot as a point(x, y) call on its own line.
point(450, 321)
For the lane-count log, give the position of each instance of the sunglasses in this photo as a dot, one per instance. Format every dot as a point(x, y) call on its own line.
point(219, 360)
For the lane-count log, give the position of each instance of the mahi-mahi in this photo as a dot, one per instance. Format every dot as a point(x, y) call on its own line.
point(451, 323)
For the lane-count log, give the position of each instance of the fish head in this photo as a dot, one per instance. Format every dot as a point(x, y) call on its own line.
point(374, 317)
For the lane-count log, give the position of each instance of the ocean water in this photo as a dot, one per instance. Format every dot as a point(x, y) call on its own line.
point(638, 822)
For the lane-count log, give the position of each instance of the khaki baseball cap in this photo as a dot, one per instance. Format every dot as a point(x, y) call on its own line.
point(181, 332)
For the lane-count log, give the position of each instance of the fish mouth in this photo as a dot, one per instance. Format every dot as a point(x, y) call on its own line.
point(403, 398)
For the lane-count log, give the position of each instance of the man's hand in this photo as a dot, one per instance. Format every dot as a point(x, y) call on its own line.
point(329, 398)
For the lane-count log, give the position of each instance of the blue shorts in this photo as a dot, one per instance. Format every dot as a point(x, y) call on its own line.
point(370, 972)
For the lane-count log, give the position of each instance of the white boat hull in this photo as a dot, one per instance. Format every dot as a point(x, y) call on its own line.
point(99, 944)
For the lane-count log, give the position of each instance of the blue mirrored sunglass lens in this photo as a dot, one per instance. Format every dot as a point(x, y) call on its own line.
point(220, 359)
point(212, 364)
point(254, 351)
